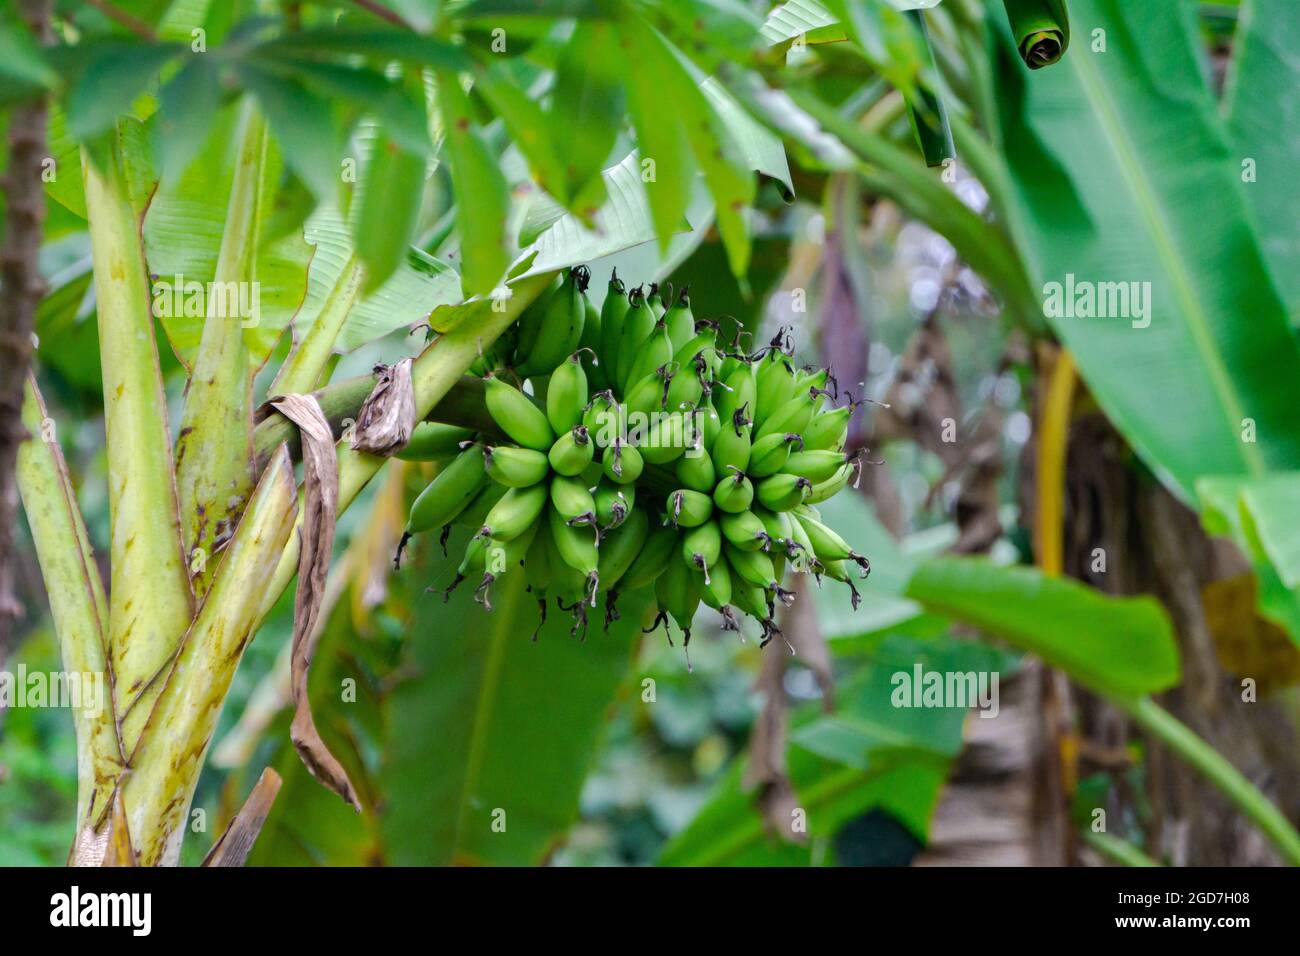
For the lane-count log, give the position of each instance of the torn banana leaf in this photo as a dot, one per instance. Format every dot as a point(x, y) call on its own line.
point(1041, 29)
point(927, 114)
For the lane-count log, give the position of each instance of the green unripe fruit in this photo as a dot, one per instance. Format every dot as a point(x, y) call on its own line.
point(566, 394)
point(793, 416)
point(515, 467)
point(745, 530)
point(622, 463)
point(733, 444)
point(695, 471)
point(701, 547)
point(516, 512)
point(782, 492)
point(688, 509)
point(655, 555)
point(828, 430)
point(517, 416)
point(449, 493)
point(619, 548)
point(816, 466)
point(572, 452)
point(736, 391)
point(734, 493)
point(571, 500)
point(770, 453)
point(613, 503)
point(434, 441)
point(638, 323)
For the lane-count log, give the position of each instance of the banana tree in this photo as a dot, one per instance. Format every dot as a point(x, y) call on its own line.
point(238, 178)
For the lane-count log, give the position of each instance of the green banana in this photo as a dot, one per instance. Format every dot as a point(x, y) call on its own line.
point(688, 509)
point(680, 320)
point(613, 319)
point(793, 416)
point(572, 452)
point(782, 492)
point(701, 547)
point(515, 467)
point(650, 393)
point(733, 444)
point(655, 351)
point(577, 548)
point(816, 466)
point(738, 391)
point(588, 345)
point(654, 556)
point(566, 394)
point(769, 454)
point(758, 569)
point(828, 545)
point(622, 463)
point(530, 322)
point(745, 530)
point(667, 439)
point(704, 342)
point(476, 512)
point(517, 416)
point(516, 512)
point(613, 503)
point(572, 501)
point(561, 327)
point(716, 593)
point(695, 471)
point(839, 571)
point(688, 384)
point(678, 596)
point(637, 326)
point(620, 547)
point(434, 441)
point(734, 493)
point(824, 490)
point(449, 493)
point(829, 430)
point(774, 382)
point(499, 557)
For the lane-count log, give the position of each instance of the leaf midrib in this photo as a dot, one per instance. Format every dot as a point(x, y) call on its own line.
point(481, 721)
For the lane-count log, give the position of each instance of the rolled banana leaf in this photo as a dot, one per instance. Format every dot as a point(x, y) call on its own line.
point(928, 116)
point(1041, 29)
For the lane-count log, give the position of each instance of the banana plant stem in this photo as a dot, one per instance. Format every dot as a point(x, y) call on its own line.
point(1183, 741)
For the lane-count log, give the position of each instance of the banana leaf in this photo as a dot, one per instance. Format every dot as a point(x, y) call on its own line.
point(1041, 29)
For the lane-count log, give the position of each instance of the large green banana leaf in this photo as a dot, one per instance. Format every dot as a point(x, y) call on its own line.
point(492, 735)
point(1263, 106)
point(1124, 175)
point(183, 229)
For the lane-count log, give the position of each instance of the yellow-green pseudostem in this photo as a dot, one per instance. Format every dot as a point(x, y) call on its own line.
point(150, 602)
point(77, 604)
point(313, 345)
point(214, 452)
point(165, 767)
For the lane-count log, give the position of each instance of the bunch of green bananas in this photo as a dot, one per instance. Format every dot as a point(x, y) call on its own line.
point(643, 452)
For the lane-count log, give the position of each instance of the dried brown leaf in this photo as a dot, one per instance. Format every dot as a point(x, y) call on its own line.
point(316, 540)
point(387, 417)
point(118, 850)
point(236, 843)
